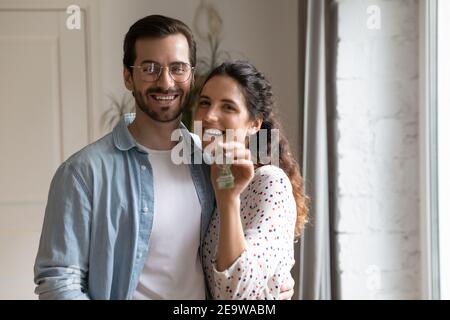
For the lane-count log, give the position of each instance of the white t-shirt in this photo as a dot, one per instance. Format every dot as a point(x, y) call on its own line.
point(173, 268)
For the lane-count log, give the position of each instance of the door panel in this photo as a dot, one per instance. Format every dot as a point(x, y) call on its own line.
point(43, 119)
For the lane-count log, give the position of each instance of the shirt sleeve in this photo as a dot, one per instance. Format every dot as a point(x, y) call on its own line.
point(268, 214)
point(61, 266)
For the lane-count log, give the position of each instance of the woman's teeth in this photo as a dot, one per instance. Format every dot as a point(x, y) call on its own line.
point(213, 132)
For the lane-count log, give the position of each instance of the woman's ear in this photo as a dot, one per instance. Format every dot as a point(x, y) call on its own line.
point(255, 126)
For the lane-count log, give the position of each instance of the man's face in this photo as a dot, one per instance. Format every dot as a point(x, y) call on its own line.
point(162, 100)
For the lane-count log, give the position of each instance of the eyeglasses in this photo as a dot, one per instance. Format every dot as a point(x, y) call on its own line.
point(151, 71)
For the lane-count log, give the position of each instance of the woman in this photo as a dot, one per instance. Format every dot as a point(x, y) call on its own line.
point(248, 250)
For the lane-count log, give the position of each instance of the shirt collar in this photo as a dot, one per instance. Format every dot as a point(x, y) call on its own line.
point(124, 141)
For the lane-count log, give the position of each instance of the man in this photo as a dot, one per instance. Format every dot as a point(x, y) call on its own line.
point(123, 221)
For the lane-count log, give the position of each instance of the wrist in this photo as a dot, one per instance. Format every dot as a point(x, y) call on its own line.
point(228, 203)
point(226, 196)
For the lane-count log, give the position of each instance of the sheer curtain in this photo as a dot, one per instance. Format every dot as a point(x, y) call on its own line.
point(313, 271)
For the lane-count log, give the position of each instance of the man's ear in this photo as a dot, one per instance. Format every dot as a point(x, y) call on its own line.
point(128, 78)
point(256, 125)
point(192, 81)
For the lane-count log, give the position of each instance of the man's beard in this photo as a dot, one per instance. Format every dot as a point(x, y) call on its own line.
point(154, 115)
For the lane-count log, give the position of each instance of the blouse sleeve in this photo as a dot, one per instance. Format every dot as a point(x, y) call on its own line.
point(268, 215)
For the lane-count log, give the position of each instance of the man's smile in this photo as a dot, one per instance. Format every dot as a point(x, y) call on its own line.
point(164, 99)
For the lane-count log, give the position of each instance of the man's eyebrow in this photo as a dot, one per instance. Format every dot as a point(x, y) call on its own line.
point(204, 97)
point(151, 61)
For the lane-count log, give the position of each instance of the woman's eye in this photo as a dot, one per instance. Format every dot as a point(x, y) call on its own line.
point(228, 107)
point(203, 103)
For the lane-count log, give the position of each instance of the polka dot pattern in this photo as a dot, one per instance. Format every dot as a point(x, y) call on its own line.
point(268, 215)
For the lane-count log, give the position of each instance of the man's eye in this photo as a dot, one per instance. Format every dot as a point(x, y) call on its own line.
point(151, 68)
point(178, 69)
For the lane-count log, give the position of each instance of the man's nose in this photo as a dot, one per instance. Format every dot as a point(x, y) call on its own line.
point(165, 80)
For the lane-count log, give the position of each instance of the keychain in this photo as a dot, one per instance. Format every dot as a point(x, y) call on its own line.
point(226, 178)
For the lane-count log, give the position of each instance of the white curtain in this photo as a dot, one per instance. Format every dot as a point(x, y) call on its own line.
point(313, 273)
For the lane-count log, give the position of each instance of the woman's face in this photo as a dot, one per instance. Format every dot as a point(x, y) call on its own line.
point(222, 106)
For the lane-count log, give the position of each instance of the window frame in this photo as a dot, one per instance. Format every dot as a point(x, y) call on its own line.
point(429, 151)
point(443, 147)
point(435, 152)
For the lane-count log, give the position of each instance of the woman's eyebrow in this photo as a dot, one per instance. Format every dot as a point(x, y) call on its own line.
point(222, 100)
point(229, 101)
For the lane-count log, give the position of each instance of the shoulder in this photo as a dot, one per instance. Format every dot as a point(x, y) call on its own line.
point(103, 147)
point(270, 170)
point(268, 198)
point(271, 177)
point(85, 162)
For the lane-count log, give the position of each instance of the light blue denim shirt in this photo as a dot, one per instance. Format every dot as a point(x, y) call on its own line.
point(98, 219)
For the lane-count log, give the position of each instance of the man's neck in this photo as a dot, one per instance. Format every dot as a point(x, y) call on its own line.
point(153, 134)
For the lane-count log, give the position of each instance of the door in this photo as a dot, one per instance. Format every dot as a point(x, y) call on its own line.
point(43, 119)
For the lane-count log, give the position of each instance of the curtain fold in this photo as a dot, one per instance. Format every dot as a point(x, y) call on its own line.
point(314, 250)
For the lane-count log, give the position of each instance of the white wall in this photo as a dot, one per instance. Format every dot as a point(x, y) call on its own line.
point(263, 31)
point(378, 169)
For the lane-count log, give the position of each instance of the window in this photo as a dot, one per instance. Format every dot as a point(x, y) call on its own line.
point(436, 149)
point(443, 146)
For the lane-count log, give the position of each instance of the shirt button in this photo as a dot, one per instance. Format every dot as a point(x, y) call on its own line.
point(145, 209)
point(143, 167)
point(139, 255)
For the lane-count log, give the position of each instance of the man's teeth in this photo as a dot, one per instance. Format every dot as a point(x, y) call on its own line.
point(165, 98)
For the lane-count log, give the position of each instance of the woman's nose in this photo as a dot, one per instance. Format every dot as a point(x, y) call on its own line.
point(211, 114)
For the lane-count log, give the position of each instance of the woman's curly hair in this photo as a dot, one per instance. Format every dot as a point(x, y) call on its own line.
point(260, 103)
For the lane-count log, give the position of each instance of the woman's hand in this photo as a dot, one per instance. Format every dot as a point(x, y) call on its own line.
point(231, 235)
point(241, 167)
